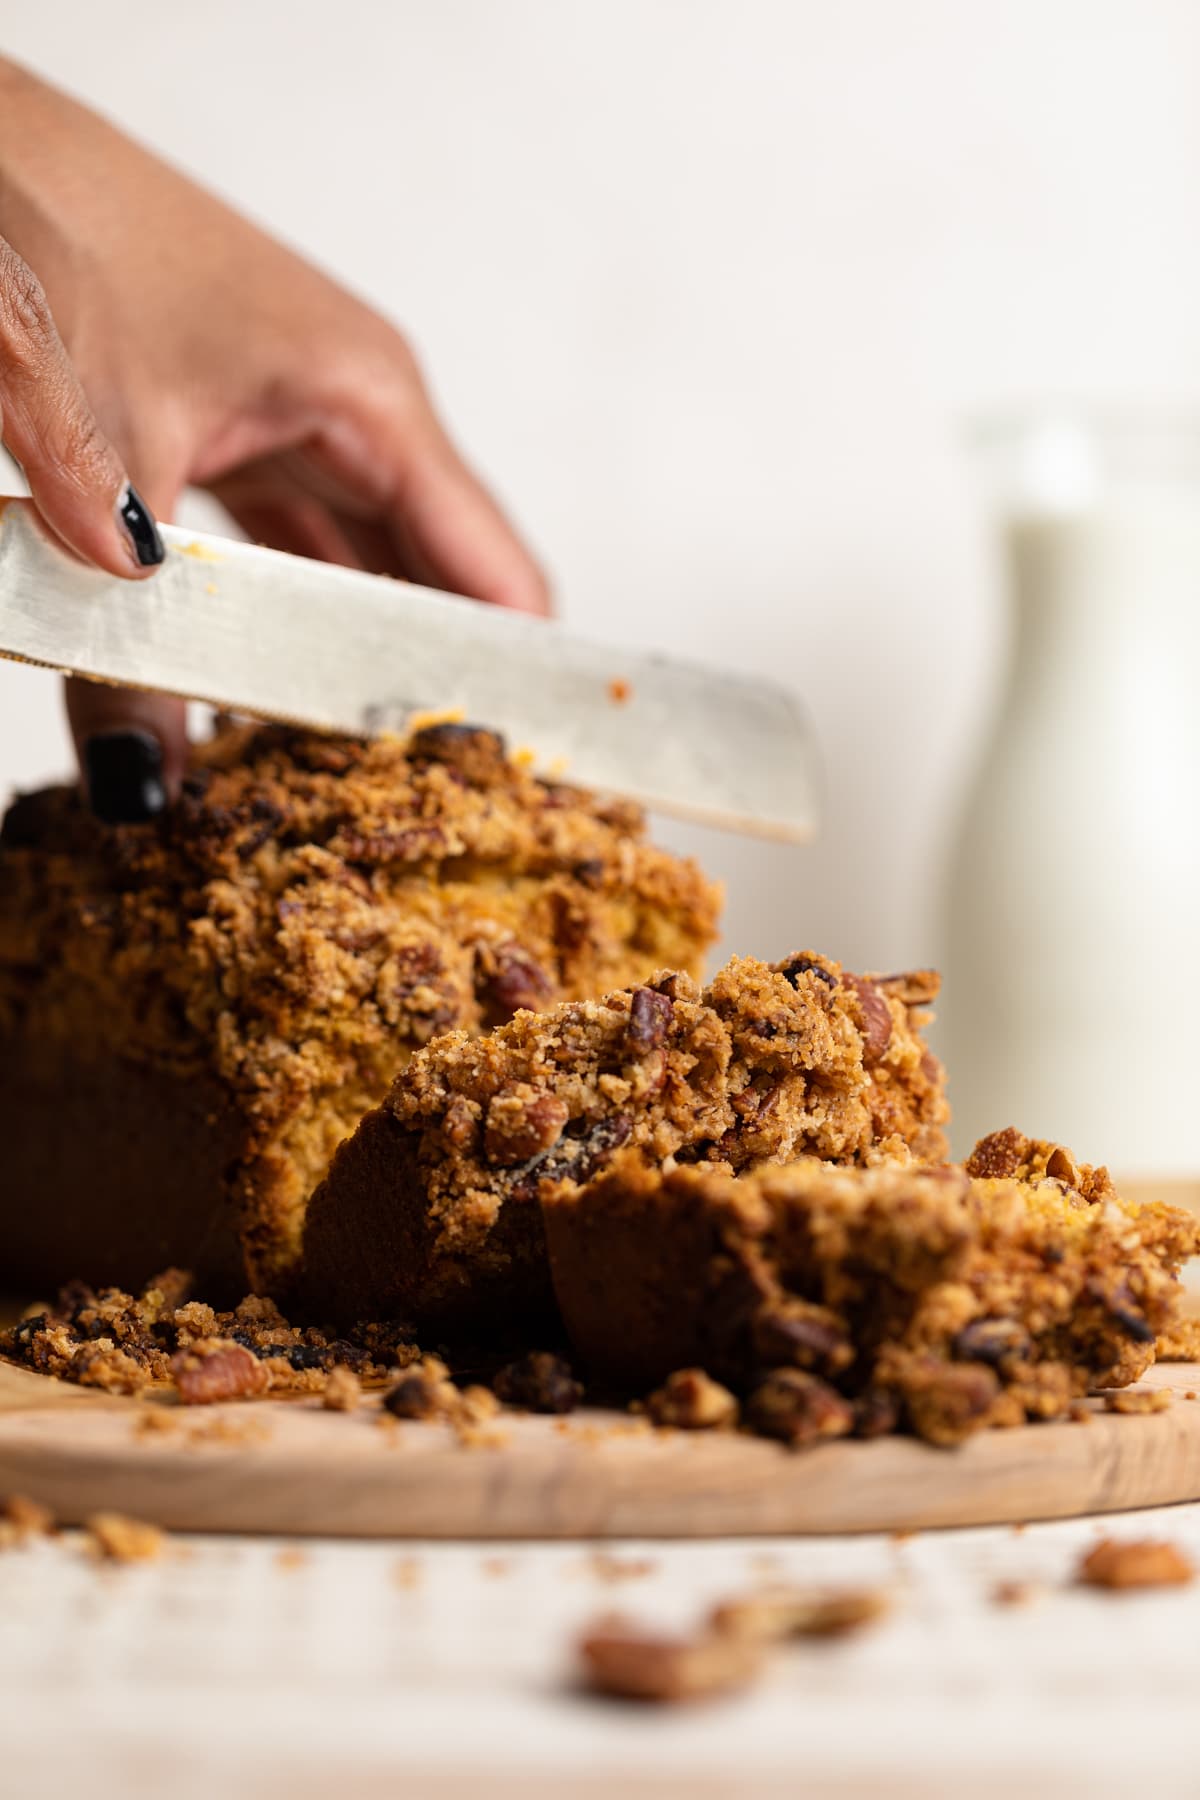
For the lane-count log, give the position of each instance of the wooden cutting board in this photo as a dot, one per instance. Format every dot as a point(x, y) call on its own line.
point(287, 1466)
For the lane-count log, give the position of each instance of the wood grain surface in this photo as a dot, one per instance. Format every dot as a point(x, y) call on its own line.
point(290, 1467)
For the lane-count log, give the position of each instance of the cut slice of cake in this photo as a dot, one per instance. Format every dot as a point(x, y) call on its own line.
point(193, 1013)
point(862, 1300)
point(430, 1211)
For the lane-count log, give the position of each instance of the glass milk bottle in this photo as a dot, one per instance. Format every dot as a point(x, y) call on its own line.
point(1072, 996)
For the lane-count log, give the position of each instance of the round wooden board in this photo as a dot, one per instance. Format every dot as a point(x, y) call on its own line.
point(290, 1467)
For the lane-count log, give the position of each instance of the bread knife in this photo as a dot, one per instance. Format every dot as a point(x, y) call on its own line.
point(280, 637)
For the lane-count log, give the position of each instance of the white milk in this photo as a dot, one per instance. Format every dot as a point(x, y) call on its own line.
point(1072, 1001)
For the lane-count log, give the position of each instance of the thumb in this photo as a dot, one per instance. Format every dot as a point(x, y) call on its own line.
point(76, 478)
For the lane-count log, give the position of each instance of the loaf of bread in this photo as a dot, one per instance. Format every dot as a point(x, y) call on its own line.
point(194, 1013)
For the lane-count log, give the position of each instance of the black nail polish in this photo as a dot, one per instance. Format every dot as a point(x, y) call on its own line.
point(140, 527)
point(124, 776)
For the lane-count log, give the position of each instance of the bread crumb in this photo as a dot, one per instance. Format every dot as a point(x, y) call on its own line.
point(27, 1518)
point(291, 1557)
point(407, 1572)
point(1138, 1400)
point(1014, 1593)
point(343, 1390)
point(122, 1539)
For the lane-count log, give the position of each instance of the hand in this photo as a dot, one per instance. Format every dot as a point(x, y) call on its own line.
point(151, 338)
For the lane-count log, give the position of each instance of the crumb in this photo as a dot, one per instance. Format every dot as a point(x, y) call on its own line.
point(1135, 1564)
point(496, 1567)
point(1180, 1342)
point(27, 1518)
point(1014, 1593)
point(1190, 1394)
point(343, 1390)
point(541, 1382)
point(292, 1557)
point(619, 691)
point(1080, 1413)
point(407, 1572)
point(690, 1400)
point(1018, 1528)
point(784, 1612)
point(624, 1662)
point(121, 1539)
point(155, 1420)
point(607, 1567)
point(224, 1430)
point(1138, 1400)
point(901, 1537)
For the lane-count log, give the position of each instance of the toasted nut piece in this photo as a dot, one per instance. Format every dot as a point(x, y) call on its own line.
point(690, 1400)
point(343, 1390)
point(876, 1018)
point(522, 1124)
point(540, 1382)
point(650, 1016)
point(122, 1539)
point(799, 1333)
point(798, 1408)
point(1138, 1400)
point(783, 1612)
point(217, 1369)
point(1133, 1564)
point(423, 1391)
point(621, 1660)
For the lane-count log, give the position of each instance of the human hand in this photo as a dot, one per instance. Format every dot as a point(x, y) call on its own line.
point(151, 338)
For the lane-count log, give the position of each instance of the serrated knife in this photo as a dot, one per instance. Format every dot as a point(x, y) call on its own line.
point(279, 637)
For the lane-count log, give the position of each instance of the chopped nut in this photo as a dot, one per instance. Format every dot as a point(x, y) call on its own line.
point(876, 1017)
point(650, 1016)
point(28, 1518)
point(423, 1391)
point(541, 1382)
point(521, 1124)
point(690, 1400)
point(1138, 1400)
point(993, 1341)
point(799, 1333)
point(798, 1408)
point(122, 1539)
point(783, 1612)
point(342, 1391)
point(630, 1664)
point(1134, 1564)
point(217, 1369)
point(948, 1401)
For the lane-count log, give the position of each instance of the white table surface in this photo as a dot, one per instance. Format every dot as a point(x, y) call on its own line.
point(237, 1667)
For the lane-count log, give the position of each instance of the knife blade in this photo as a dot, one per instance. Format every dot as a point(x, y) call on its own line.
point(280, 637)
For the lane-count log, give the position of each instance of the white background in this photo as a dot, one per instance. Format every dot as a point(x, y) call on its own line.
point(707, 289)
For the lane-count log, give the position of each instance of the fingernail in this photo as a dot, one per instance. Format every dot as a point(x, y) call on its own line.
point(124, 776)
point(140, 527)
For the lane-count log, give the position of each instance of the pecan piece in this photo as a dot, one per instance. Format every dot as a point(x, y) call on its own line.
point(803, 1335)
point(1133, 1564)
point(782, 1612)
point(690, 1400)
point(522, 1124)
point(507, 979)
point(798, 1408)
point(621, 1660)
point(580, 1152)
point(993, 1341)
point(541, 1382)
point(477, 753)
point(650, 1016)
point(948, 1401)
point(424, 1391)
point(876, 1018)
point(217, 1369)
